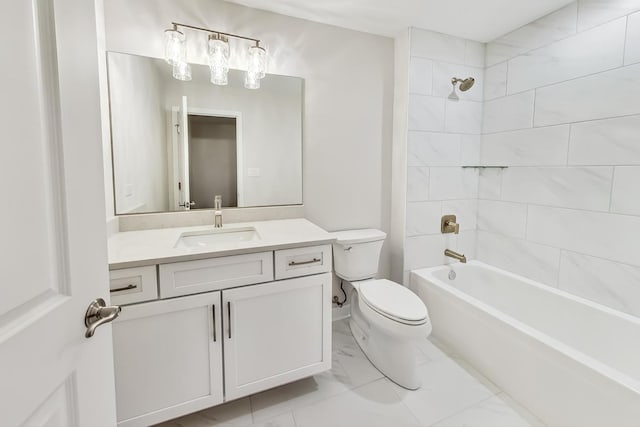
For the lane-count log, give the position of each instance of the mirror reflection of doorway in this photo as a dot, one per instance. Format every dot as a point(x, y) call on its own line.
point(212, 160)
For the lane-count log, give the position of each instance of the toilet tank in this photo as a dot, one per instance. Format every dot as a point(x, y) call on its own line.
point(356, 253)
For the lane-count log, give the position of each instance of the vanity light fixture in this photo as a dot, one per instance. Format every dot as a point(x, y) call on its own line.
point(257, 67)
point(218, 53)
point(219, 59)
point(175, 46)
point(182, 71)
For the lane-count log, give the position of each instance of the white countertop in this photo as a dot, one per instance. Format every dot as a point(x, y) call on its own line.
point(148, 247)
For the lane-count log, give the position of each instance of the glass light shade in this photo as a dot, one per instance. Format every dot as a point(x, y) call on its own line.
point(219, 60)
point(252, 80)
point(257, 61)
point(175, 47)
point(182, 71)
point(219, 77)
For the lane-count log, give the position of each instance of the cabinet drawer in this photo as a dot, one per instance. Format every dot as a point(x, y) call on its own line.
point(303, 261)
point(132, 285)
point(192, 277)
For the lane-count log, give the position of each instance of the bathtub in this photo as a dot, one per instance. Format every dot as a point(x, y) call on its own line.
point(570, 361)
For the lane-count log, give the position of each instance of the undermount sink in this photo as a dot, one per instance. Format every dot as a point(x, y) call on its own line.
point(217, 237)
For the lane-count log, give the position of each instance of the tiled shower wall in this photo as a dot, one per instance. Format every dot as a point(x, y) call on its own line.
point(562, 110)
point(442, 136)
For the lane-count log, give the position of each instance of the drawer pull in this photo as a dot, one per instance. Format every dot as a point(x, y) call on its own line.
point(313, 261)
point(214, 323)
point(124, 288)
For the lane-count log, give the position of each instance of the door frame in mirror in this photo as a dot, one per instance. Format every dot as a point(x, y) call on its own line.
point(237, 115)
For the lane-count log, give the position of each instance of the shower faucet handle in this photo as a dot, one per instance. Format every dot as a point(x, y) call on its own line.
point(448, 224)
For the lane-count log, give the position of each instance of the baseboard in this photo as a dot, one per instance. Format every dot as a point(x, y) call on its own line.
point(339, 313)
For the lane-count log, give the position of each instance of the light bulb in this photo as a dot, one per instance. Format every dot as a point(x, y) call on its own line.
point(252, 80)
point(175, 46)
point(219, 59)
point(257, 61)
point(182, 71)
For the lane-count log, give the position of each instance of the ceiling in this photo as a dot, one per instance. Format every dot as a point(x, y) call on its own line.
point(481, 20)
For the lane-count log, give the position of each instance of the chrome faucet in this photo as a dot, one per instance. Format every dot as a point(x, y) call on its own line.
point(217, 205)
point(455, 255)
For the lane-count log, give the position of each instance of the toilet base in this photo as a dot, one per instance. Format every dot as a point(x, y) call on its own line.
point(394, 356)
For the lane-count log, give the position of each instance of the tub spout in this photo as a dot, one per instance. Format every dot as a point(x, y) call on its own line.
point(455, 255)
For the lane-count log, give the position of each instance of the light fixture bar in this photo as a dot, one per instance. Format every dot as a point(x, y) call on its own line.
point(206, 30)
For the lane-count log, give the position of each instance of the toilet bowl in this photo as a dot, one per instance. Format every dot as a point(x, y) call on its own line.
point(387, 319)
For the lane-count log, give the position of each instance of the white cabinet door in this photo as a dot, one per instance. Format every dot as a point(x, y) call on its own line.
point(276, 333)
point(167, 358)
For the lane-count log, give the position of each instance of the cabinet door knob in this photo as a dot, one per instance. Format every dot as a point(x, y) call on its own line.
point(98, 314)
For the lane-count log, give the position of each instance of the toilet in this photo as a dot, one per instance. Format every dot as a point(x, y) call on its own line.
point(387, 319)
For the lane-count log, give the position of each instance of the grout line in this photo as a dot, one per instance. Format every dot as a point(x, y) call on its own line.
point(569, 144)
point(565, 123)
point(533, 109)
point(463, 100)
point(595, 73)
point(466, 408)
point(560, 257)
point(526, 222)
point(613, 178)
point(506, 79)
point(561, 249)
point(626, 37)
point(565, 37)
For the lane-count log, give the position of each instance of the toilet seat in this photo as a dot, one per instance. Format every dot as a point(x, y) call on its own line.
point(393, 301)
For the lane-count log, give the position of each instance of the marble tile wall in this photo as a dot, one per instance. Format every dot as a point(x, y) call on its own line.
point(443, 135)
point(562, 110)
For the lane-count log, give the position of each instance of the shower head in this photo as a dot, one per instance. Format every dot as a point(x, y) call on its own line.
point(465, 85)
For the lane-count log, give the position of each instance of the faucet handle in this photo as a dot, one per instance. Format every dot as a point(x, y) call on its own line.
point(217, 202)
point(448, 224)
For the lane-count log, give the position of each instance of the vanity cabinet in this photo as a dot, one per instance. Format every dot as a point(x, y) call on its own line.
point(168, 358)
point(238, 332)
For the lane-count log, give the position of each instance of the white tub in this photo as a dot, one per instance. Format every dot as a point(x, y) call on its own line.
point(570, 361)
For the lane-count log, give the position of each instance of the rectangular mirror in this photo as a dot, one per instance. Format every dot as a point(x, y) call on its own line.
point(176, 145)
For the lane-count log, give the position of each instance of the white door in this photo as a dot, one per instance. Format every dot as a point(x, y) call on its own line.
point(53, 237)
point(183, 155)
point(275, 333)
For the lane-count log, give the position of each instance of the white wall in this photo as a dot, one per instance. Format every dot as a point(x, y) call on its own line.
point(348, 96)
point(138, 133)
point(563, 112)
point(442, 136)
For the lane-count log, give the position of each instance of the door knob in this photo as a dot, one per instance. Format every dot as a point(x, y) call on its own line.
point(98, 314)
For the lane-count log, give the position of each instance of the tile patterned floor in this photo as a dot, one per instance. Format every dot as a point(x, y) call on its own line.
point(355, 394)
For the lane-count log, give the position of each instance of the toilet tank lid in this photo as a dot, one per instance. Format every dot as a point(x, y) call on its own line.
point(348, 237)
